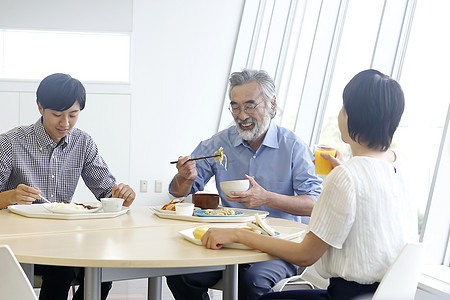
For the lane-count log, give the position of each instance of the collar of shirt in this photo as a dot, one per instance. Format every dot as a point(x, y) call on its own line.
point(44, 140)
point(270, 140)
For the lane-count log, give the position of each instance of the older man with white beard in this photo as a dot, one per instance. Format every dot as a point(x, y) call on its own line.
point(278, 165)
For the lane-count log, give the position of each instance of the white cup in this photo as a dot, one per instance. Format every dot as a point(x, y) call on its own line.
point(112, 204)
point(184, 209)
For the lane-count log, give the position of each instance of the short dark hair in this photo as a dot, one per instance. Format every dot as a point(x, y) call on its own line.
point(60, 91)
point(374, 103)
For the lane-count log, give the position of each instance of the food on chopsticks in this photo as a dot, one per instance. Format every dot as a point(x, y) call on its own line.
point(71, 205)
point(220, 157)
point(171, 204)
point(260, 224)
point(225, 211)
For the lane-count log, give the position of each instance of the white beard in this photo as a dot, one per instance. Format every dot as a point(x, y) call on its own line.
point(256, 132)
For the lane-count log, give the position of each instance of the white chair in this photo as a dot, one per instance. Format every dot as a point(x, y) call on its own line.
point(308, 279)
point(402, 277)
point(400, 281)
point(14, 284)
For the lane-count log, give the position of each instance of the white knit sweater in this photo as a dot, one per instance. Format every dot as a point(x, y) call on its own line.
point(366, 217)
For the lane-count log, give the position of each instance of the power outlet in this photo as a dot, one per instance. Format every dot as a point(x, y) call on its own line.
point(158, 186)
point(144, 186)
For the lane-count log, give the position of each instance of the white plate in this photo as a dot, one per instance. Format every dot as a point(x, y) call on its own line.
point(164, 211)
point(247, 216)
point(201, 213)
point(38, 211)
point(71, 210)
point(286, 233)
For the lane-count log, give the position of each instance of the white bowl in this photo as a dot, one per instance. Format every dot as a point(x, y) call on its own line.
point(234, 186)
point(112, 204)
point(184, 209)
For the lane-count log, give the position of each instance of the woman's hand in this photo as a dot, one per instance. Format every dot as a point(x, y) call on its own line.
point(335, 161)
point(215, 238)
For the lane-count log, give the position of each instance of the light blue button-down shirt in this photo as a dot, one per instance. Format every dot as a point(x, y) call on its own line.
point(283, 164)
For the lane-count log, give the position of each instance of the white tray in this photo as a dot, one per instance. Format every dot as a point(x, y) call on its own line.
point(38, 211)
point(286, 233)
point(249, 215)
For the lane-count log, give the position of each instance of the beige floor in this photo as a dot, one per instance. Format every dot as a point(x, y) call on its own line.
point(137, 290)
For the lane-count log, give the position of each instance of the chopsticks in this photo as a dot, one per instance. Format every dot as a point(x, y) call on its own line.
point(197, 158)
point(45, 199)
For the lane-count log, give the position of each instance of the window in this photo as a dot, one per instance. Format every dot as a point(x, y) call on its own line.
point(28, 54)
point(424, 78)
point(325, 43)
point(356, 46)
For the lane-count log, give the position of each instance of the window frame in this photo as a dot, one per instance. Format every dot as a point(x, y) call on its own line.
point(388, 57)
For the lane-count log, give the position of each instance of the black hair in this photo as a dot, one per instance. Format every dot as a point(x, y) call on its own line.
point(374, 104)
point(60, 91)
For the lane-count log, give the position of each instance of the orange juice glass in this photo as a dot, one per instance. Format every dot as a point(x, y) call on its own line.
point(323, 166)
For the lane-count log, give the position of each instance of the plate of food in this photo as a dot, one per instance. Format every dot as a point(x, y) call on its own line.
point(219, 212)
point(73, 207)
point(243, 215)
point(169, 208)
point(195, 234)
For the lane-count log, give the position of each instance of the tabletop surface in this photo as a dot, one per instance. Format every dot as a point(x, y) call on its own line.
point(138, 239)
point(137, 216)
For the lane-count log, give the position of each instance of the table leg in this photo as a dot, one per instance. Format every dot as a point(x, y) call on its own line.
point(29, 271)
point(154, 288)
point(92, 283)
point(230, 280)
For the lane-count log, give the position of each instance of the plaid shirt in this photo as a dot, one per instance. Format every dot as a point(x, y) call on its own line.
point(29, 156)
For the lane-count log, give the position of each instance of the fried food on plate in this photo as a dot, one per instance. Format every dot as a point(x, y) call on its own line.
point(171, 204)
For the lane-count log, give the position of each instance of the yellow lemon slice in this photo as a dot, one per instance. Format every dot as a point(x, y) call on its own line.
point(200, 231)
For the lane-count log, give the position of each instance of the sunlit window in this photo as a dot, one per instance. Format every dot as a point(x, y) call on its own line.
point(354, 55)
point(325, 43)
point(86, 56)
point(424, 78)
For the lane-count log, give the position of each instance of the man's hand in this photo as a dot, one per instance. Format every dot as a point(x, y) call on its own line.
point(25, 194)
point(187, 169)
point(254, 197)
point(125, 192)
point(183, 180)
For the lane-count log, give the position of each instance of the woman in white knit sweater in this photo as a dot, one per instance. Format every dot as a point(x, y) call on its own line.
point(363, 217)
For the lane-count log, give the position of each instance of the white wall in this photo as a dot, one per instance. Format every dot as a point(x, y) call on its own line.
point(71, 15)
point(182, 52)
point(100, 119)
point(181, 55)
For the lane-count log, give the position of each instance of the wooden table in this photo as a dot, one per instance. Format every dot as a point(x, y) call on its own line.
point(138, 216)
point(136, 245)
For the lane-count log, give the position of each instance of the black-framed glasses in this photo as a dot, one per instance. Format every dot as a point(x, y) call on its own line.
point(249, 108)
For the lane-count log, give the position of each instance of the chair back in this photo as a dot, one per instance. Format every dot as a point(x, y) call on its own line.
point(14, 284)
point(402, 277)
